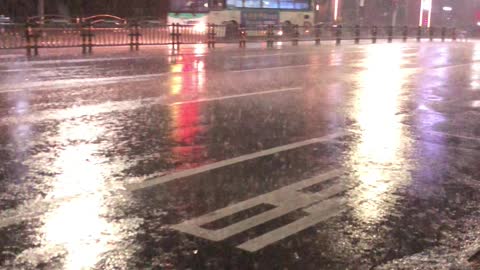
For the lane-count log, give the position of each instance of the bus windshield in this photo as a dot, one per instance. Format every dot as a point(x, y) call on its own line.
point(189, 6)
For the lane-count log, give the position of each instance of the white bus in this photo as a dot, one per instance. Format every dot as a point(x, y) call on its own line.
point(242, 12)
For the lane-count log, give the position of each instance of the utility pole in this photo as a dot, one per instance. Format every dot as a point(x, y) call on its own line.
point(394, 15)
point(360, 12)
point(41, 10)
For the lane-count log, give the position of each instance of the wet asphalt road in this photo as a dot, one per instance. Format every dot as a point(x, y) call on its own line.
point(351, 157)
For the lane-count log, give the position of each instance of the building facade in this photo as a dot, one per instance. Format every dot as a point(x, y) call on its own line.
point(460, 13)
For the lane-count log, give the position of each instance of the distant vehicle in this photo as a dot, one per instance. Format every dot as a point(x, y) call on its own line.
point(58, 23)
point(108, 23)
point(105, 21)
point(148, 21)
point(53, 21)
point(4, 20)
point(254, 16)
point(151, 23)
point(5, 23)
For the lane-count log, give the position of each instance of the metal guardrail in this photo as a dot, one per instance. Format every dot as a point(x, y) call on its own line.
point(87, 36)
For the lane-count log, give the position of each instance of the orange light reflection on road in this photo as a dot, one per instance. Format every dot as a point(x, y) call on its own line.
point(185, 117)
point(188, 77)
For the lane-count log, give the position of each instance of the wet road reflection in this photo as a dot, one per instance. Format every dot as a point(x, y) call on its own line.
point(78, 226)
point(380, 159)
point(396, 123)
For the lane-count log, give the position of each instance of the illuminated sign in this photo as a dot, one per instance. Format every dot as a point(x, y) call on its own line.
point(335, 10)
point(425, 13)
point(426, 5)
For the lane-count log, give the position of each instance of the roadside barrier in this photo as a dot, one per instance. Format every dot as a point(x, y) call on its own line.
point(87, 36)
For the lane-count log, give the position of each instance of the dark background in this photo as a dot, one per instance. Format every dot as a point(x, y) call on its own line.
point(375, 12)
point(20, 9)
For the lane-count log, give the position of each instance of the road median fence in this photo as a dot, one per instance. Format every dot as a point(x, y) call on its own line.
point(32, 38)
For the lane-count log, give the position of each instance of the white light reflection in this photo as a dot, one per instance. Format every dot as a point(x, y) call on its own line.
point(77, 226)
point(476, 52)
point(199, 49)
point(335, 58)
point(442, 58)
point(378, 158)
point(475, 77)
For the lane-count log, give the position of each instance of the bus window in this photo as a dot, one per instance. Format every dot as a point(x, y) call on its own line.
point(270, 4)
point(252, 3)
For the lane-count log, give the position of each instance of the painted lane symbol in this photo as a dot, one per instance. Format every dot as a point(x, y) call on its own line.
point(318, 206)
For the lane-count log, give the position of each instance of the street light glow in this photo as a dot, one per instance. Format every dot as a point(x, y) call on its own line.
point(335, 11)
point(447, 8)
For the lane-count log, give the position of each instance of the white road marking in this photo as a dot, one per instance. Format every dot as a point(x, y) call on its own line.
point(328, 65)
point(286, 200)
point(437, 133)
point(274, 54)
point(318, 213)
point(12, 220)
point(10, 70)
point(309, 52)
point(70, 61)
point(237, 96)
point(274, 68)
point(118, 106)
point(224, 163)
point(12, 56)
point(53, 84)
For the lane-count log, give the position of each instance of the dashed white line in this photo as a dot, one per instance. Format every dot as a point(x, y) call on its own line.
point(437, 133)
point(272, 54)
point(237, 96)
point(224, 163)
point(82, 60)
point(118, 106)
point(274, 68)
point(55, 84)
point(39, 85)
